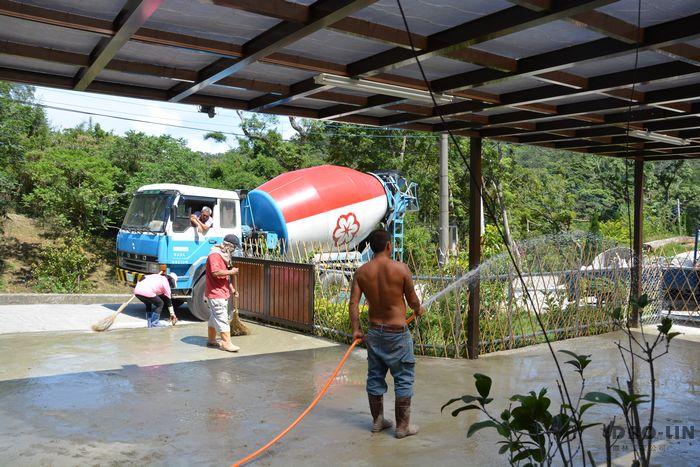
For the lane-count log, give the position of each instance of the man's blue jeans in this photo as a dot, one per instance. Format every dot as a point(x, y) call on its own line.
point(390, 351)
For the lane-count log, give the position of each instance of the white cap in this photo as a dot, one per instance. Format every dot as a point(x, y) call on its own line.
point(173, 276)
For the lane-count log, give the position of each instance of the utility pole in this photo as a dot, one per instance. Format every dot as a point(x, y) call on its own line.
point(444, 228)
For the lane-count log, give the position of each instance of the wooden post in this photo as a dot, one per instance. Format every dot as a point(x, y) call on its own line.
point(475, 187)
point(638, 238)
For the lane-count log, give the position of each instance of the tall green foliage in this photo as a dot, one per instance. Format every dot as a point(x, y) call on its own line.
point(69, 186)
point(85, 175)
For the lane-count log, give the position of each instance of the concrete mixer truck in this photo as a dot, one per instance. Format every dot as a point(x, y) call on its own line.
point(327, 206)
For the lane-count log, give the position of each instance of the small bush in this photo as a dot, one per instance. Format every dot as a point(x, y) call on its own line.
point(64, 267)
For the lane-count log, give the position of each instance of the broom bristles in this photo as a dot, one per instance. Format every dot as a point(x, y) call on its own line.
point(237, 326)
point(107, 322)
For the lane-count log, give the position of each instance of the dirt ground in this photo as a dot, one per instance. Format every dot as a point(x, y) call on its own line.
point(161, 397)
point(20, 245)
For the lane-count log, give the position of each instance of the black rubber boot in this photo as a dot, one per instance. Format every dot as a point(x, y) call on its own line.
point(403, 417)
point(376, 408)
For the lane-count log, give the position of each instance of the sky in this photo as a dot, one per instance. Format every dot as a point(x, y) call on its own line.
point(155, 118)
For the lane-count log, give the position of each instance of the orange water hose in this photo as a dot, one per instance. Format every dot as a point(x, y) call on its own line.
point(306, 411)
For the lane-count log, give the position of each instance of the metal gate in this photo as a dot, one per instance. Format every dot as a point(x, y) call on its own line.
point(276, 291)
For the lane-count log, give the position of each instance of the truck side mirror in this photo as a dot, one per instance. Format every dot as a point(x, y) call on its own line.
point(173, 212)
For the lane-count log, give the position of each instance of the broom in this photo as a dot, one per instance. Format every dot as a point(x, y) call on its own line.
point(105, 324)
point(237, 326)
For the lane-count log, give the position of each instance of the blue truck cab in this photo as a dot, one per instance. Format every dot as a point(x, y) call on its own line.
point(157, 234)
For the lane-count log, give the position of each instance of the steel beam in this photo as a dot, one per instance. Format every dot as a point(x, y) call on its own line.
point(134, 15)
point(498, 24)
point(322, 14)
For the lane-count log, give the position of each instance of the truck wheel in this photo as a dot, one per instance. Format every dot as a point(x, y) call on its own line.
point(198, 307)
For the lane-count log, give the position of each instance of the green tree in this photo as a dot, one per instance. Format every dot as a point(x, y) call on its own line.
point(69, 187)
point(22, 127)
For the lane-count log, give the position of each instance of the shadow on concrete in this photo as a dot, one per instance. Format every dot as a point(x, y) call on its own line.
point(199, 341)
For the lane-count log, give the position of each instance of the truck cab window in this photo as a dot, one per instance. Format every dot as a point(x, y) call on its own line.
point(188, 206)
point(228, 214)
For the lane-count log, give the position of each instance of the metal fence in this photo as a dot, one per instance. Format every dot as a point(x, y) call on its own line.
point(573, 282)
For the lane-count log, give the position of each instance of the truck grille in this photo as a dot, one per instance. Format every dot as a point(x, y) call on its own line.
point(135, 262)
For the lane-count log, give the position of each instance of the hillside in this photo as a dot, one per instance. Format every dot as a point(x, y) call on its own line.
point(20, 249)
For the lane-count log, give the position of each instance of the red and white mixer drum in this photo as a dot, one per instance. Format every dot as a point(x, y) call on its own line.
point(331, 205)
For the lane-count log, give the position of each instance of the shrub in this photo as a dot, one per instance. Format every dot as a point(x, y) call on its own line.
point(64, 267)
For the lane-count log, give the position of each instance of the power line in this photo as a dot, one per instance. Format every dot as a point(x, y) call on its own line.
point(186, 108)
point(207, 130)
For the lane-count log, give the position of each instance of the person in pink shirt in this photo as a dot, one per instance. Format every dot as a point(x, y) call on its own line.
point(155, 290)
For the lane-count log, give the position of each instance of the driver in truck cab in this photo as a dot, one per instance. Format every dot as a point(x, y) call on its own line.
point(202, 220)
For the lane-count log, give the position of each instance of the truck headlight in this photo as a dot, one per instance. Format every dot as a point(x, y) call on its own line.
point(153, 268)
point(120, 262)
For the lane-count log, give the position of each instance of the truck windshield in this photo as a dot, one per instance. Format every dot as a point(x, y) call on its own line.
point(148, 212)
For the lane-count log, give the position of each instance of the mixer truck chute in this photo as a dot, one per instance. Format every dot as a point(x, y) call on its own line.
point(326, 206)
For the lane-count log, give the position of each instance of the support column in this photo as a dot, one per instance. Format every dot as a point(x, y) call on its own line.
point(475, 233)
point(444, 228)
point(638, 238)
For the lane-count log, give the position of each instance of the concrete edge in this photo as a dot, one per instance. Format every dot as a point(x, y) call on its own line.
point(57, 298)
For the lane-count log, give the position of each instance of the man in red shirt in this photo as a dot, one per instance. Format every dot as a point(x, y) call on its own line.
point(218, 289)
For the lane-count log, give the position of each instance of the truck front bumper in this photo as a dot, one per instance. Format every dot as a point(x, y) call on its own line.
point(129, 277)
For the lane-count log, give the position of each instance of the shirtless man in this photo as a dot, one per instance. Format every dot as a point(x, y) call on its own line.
point(386, 283)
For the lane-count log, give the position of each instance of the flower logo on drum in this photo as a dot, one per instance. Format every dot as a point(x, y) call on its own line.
point(346, 228)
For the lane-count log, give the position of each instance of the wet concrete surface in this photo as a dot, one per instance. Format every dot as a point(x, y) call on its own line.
point(39, 317)
point(160, 397)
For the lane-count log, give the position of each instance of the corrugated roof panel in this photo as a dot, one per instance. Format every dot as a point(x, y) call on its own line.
point(670, 84)
point(164, 56)
point(615, 64)
point(206, 20)
point(229, 92)
point(534, 41)
point(40, 66)
point(653, 11)
point(335, 47)
point(136, 80)
point(274, 74)
point(309, 103)
point(498, 111)
point(576, 98)
point(522, 82)
point(427, 17)
point(379, 112)
point(102, 9)
point(45, 35)
point(435, 68)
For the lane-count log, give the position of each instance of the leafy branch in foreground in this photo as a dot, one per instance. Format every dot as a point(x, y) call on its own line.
point(532, 434)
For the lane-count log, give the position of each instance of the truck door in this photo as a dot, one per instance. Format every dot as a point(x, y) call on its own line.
point(229, 218)
point(188, 247)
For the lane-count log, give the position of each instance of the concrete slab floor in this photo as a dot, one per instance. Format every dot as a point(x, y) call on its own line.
point(72, 317)
point(160, 397)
